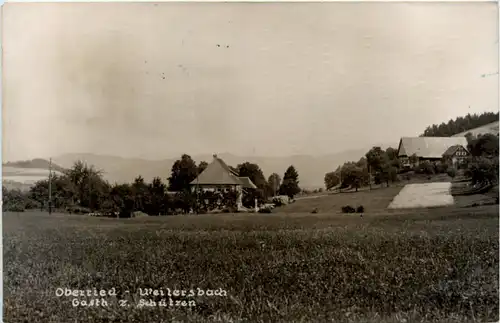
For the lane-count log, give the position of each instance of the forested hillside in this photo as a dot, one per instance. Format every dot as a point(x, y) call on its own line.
point(460, 124)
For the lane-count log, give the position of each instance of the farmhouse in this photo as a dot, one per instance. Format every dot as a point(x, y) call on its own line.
point(456, 155)
point(218, 176)
point(433, 149)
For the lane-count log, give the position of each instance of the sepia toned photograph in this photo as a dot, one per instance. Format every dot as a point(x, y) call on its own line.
point(250, 162)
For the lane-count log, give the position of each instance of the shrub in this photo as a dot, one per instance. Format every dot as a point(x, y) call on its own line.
point(425, 167)
point(315, 210)
point(15, 207)
point(360, 209)
point(452, 172)
point(265, 210)
point(278, 202)
point(441, 168)
point(348, 209)
point(32, 204)
point(77, 210)
point(483, 170)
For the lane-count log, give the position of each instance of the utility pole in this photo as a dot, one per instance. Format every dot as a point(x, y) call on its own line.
point(197, 189)
point(50, 186)
point(370, 176)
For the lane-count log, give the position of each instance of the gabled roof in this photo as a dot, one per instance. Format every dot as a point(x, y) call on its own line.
point(428, 147)
point(219, 173)
point(247, 182)
point(453, 149)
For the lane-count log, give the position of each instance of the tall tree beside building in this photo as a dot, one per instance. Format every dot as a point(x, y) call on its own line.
point(201, 166)
point(184, 171)
point(256, 175)
point(274, 182)
point(485, 145)
point(290, 184)
point(253, 172)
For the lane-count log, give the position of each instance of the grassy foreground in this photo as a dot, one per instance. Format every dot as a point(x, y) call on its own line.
point(433, 265)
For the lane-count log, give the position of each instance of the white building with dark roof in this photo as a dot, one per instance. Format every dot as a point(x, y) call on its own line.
point(218, 176)
point(430, 148)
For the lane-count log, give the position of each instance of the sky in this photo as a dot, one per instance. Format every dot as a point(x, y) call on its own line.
point(268, 79)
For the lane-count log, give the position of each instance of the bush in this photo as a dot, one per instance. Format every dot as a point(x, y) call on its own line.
point(441, 168)
point(278, 202)
point(16, 207)
point(32, 204)
point(265, 210)
point(360, 209)
point(452, 172)
point(315, 210)
point(425, 167)
point(348, 209)
point(483, 170)
point(77, 210)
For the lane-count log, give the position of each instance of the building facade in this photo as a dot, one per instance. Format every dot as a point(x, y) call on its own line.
point(414, 150)
point(219, 177)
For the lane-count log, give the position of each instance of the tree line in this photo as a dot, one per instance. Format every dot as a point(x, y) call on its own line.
point(380, 166)
point(483, 165)
point(82, 189)
point(460, 124)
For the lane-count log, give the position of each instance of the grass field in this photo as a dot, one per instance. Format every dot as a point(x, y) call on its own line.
point(425, 265)
point(375, 200)
point(423, 195)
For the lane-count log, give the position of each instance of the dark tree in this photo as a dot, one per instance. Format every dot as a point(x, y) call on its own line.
point(290, 185)
point(485, 145)
point(122, 196)
point(377, 160)
point(352, 175)
point(140, 193)
point(256, 175)
point(391, 153)
point(253, 172)
point(202, 166)
point(184, 171)
point(158, 202)
point(274, 182)
point(483, 170)
point(332, 179)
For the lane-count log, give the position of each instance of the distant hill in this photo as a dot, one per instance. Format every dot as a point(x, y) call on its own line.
point(491, 128)
point(22, 175)
point(311, 169)
point(37, 163)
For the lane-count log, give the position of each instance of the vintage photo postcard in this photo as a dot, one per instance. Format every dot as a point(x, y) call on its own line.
point(250, 162)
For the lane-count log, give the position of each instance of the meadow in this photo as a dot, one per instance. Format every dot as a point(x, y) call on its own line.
point(427, 265)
